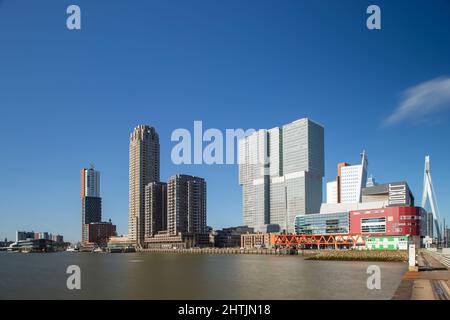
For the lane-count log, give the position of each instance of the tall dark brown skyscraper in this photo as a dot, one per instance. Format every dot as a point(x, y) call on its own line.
point(155, 208)
point(186, 205)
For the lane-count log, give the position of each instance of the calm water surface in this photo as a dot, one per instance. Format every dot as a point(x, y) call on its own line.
point(190, 276)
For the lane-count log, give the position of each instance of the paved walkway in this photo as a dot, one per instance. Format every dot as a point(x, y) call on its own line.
point(431, 282)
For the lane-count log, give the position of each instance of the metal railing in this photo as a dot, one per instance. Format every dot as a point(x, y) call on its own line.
point(442, 258)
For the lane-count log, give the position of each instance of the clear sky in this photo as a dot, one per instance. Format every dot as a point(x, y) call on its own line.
point(71, 98)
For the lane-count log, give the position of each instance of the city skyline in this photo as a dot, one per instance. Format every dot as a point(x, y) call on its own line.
point(74, 99)
point(90, 178)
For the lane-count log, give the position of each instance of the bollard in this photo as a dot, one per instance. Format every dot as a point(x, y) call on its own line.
point(412, 258)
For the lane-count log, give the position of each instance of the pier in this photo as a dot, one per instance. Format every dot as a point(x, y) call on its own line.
point(309, 254)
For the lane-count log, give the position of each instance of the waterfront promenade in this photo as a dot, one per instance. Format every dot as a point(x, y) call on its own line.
point(431, 282)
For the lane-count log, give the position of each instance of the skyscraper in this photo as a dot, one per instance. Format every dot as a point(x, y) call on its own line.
point(281, 173)
point(253, 176)
point(144, 168)
point(91, 202)
point(155, 208)
point(429, 223)
point(353, 179)
point(90, 183)
point(186, 205)
point(339, 180)
point(350, 180)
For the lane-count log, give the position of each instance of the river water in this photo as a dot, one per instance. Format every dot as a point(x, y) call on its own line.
point(190, 276)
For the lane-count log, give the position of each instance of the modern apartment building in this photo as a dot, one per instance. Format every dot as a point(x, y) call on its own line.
point(24, 235)
point(350, 180)
point(155, 208)
point(281, 171)
point(186, 205)
point(338, 183)
point(144, 168)
point(90, 182)
point(58, 238)
point(91, 202)
point(428, 225)
point(353, 179)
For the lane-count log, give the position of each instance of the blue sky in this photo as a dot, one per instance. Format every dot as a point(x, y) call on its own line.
point(71, 98)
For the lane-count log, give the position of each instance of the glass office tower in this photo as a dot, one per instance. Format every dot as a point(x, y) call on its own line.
point(281, 172)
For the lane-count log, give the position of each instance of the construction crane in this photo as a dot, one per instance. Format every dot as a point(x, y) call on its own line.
point(429, 194)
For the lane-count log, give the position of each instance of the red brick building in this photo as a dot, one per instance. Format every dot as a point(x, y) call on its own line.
point(100, 232)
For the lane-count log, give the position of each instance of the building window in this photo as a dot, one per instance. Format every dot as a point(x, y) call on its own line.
point(373, 225)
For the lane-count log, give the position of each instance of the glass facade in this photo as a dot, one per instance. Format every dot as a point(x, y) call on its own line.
point(296, 199)
point(278, 203)
point(373, 225)
point(255, 189)
point(281, 173)
point(329, 223)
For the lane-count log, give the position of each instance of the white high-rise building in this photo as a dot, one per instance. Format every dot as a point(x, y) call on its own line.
point(281, 173)
point(353, 179)
point(253, 152)
point(332, 192)
point(144, 168)
point(90, 182)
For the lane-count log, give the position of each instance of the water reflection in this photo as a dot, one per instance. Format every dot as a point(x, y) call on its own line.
point(190, 276)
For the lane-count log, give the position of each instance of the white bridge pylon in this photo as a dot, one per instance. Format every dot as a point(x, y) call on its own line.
point(428, 193)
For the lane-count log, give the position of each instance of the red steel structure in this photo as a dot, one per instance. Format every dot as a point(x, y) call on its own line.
point(388, 221)
point(290, 240)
